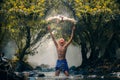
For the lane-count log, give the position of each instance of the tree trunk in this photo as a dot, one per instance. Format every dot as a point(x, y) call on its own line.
point(28, 39)
point(2, 35)
point(110, 48)
point(19, 66)
point(93, 56)
point(84, 55)
point(83, 51)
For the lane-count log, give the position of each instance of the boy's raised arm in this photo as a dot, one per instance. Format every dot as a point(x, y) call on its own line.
point(72, 34)
point(53, 38)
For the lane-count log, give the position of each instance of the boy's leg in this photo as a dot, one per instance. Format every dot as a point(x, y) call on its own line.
point(57, 72)
point(66, 73)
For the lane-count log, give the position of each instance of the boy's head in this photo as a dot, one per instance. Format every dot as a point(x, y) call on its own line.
point(61, 41)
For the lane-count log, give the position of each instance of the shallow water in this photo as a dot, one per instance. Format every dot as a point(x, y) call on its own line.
point(62, 78)
point(50, 76)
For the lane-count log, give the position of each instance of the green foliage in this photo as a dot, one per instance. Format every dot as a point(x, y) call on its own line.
point(95, 7)
point(18, 15)
point(95, 24)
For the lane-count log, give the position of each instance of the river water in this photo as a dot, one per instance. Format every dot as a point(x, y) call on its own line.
point(50, 76)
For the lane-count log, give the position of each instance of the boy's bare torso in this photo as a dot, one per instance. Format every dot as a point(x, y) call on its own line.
point(61, 51)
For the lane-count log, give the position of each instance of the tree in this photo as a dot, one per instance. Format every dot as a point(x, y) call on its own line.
point(93, 26)
point(24, 19)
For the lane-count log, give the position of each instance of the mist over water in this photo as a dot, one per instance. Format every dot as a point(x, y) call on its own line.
point(47, 54)
point(10, 49)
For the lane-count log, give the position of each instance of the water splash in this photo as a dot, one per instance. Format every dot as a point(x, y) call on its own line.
point(59, 18)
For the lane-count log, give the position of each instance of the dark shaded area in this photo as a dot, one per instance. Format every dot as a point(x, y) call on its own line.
point(1, 1)
point(22, 66)
point(7, 72)
point(103, 67)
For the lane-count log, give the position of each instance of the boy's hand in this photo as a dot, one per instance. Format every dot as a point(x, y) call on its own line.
point(49, 28)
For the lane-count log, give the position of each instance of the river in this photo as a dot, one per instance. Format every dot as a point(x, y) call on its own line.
point(50, 76)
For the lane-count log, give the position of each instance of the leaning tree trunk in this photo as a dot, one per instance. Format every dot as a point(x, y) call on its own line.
point(21, 64)
point(28, 39)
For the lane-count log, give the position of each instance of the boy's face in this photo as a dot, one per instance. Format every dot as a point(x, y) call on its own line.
point(61, 41)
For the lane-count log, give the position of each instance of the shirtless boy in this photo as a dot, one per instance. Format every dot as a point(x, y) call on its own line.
point(61, 47)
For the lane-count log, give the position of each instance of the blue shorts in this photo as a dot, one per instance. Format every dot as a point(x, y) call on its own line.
point(62, 65)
